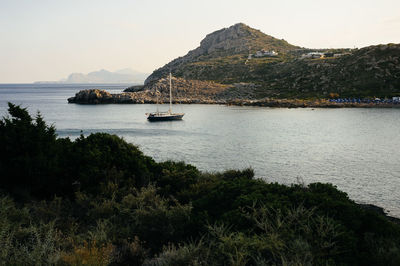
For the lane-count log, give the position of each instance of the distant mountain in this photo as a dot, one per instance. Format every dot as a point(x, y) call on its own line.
point(126, 75)
point(103, 76)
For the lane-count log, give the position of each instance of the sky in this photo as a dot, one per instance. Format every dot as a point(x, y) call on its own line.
point(44, 40)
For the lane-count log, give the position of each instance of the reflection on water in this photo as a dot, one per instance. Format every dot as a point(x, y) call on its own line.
point(355, 149)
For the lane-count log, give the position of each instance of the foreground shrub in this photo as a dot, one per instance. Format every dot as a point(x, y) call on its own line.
point(98, 200)
point(24, 241)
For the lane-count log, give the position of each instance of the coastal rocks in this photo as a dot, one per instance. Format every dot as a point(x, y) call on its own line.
point(184, 91)
point(92, 96)
point(137, 98)
point(96, 96)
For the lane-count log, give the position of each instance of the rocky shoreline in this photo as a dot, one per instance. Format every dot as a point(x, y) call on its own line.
point(96, 96)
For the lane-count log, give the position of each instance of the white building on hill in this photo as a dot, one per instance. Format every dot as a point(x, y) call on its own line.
point(264, 53)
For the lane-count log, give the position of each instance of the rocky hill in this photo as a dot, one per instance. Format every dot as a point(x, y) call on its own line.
point(223, 46)
point(223, 57)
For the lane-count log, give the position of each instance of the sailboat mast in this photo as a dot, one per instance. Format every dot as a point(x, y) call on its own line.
point(170, 93)
point(158, 94)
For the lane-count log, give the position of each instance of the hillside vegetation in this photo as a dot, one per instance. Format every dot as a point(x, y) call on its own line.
point(98, 200)
point(223, 57)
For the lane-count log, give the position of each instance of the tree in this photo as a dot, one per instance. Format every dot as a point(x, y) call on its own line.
point(28, 154)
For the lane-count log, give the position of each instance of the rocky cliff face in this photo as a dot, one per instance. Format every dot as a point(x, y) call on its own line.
point(237, 39)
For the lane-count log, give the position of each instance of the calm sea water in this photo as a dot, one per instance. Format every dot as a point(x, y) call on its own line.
point(358, 150)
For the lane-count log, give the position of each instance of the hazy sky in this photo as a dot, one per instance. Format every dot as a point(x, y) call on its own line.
point(49, 39)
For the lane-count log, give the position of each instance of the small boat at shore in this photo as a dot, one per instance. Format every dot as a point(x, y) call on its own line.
point(168, 115)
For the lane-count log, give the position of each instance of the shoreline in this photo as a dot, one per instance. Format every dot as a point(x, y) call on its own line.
point(95, 96)
point(298, 103)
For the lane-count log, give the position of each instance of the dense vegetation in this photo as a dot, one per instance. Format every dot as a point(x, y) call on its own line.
point(98, 200)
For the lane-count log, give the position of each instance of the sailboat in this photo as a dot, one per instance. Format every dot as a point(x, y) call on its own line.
point(168, 115)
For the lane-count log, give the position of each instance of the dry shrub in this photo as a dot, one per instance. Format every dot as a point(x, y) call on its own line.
point(89, 254)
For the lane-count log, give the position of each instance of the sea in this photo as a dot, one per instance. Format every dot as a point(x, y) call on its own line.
point(355, 149)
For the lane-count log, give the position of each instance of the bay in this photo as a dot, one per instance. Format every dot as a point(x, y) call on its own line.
point(357, 150)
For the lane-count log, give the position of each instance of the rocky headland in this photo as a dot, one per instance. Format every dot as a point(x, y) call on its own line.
point(241, 65)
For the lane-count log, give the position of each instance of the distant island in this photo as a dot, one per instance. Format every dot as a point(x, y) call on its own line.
point(126, 75)
point(243, 65)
